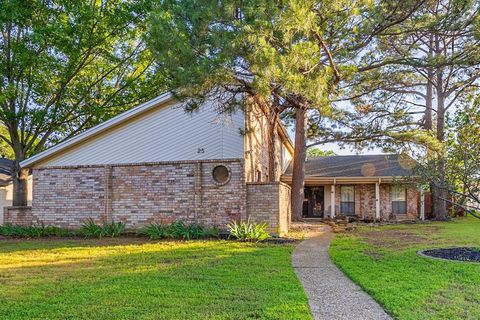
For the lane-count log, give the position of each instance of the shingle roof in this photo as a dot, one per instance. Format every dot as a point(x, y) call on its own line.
point(383, 165)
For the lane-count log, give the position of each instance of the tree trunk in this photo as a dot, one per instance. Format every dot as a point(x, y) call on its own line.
point(441, 190)
point(20, 185)
point(428, 125)
point(429, 101)
point(272, 148)
point(299, 156)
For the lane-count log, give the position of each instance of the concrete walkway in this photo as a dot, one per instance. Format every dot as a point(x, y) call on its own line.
point(331, 295)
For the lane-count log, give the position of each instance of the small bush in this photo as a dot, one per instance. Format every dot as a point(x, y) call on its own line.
point(113, 229)
point(33, 231)
point(155, 231)
point(90, 229)
point(179, 230)
point(210, 232)
point(248, 231)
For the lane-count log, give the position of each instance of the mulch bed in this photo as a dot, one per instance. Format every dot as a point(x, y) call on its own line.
point(460, 254)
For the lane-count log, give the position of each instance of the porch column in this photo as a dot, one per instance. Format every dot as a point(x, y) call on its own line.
point(422, 204)
point(332, 201)
point(377, 200)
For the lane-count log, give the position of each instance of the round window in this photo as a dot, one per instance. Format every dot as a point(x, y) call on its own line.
point(221, 174)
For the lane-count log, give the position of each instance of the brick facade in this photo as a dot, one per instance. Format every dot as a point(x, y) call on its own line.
point(269, 203)
point(139, 194)
point(365, 207)
point(17, 215)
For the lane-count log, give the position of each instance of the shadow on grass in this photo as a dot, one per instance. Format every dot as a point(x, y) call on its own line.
point(172, 280)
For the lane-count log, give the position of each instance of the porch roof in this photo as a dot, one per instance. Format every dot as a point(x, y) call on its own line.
point(356, 167)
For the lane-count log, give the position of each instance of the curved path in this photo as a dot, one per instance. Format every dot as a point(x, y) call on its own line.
point(331, 295)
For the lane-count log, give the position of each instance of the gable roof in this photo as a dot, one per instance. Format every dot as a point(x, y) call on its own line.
point(124, 116)
point(382, 165)
point(113, 122)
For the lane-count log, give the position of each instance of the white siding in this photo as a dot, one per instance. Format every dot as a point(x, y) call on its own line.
point(166, 133)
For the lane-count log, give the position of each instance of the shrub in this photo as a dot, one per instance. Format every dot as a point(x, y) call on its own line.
point(113, 229)
point(155, 231)
point(33, 231)
point(248, 231)
point(210, 232)
point(90, 229)
point(179, 230)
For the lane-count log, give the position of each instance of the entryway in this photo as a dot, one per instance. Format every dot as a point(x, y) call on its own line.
point(313, 203)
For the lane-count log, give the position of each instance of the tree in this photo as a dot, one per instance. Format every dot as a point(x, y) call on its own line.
point(316, 152)
point(463, 157)
point(417, 72)
point(65, 66)
point(5, 149)
point(289, 54)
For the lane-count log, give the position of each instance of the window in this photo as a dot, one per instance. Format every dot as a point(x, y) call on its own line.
point(221, 174)
point(399, 200)
point(347, 200)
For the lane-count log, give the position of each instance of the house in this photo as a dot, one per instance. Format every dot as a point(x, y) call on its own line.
point(156, 163)
point(368, 187)
point(6, 186)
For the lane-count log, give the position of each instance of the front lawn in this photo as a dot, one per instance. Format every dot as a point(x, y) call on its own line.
point(136, 279)
point(384, 262)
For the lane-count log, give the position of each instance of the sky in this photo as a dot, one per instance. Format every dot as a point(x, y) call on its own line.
point(347, 151)
point(336, 148)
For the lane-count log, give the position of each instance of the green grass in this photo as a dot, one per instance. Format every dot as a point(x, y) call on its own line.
point(136, 279)
point(384, 262)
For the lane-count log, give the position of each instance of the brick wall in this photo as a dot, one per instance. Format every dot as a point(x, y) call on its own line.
point(269, 203)
point(139, 194)
point(17, 215)
point(365, 202)
point(285, 210)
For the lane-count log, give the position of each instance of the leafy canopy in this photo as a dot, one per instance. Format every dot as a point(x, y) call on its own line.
point(265, 47)
point(66, 65)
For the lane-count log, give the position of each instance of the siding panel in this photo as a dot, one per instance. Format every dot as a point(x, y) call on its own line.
point(165, 134)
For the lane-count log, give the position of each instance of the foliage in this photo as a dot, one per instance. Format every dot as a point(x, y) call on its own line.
point(84, 278)
point(287, 56)
point(179, 230)
point(66, 65)
point(33, 231)
point(5, 149)
point(316, 152)
point(418, 287)
point(411, 79)
point(463, 156)
point(90, 229)
point(155, 231)
point(248, 231)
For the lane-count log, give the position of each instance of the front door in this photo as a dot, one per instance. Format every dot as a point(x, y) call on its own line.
point(313, 203)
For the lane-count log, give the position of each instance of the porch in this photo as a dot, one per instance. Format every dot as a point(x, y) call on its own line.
point(364, 200)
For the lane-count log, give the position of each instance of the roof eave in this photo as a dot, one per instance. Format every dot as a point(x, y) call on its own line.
point(339, 179)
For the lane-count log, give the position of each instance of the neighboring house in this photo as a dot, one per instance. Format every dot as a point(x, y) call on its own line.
point(6, 186)
point(156, 163)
